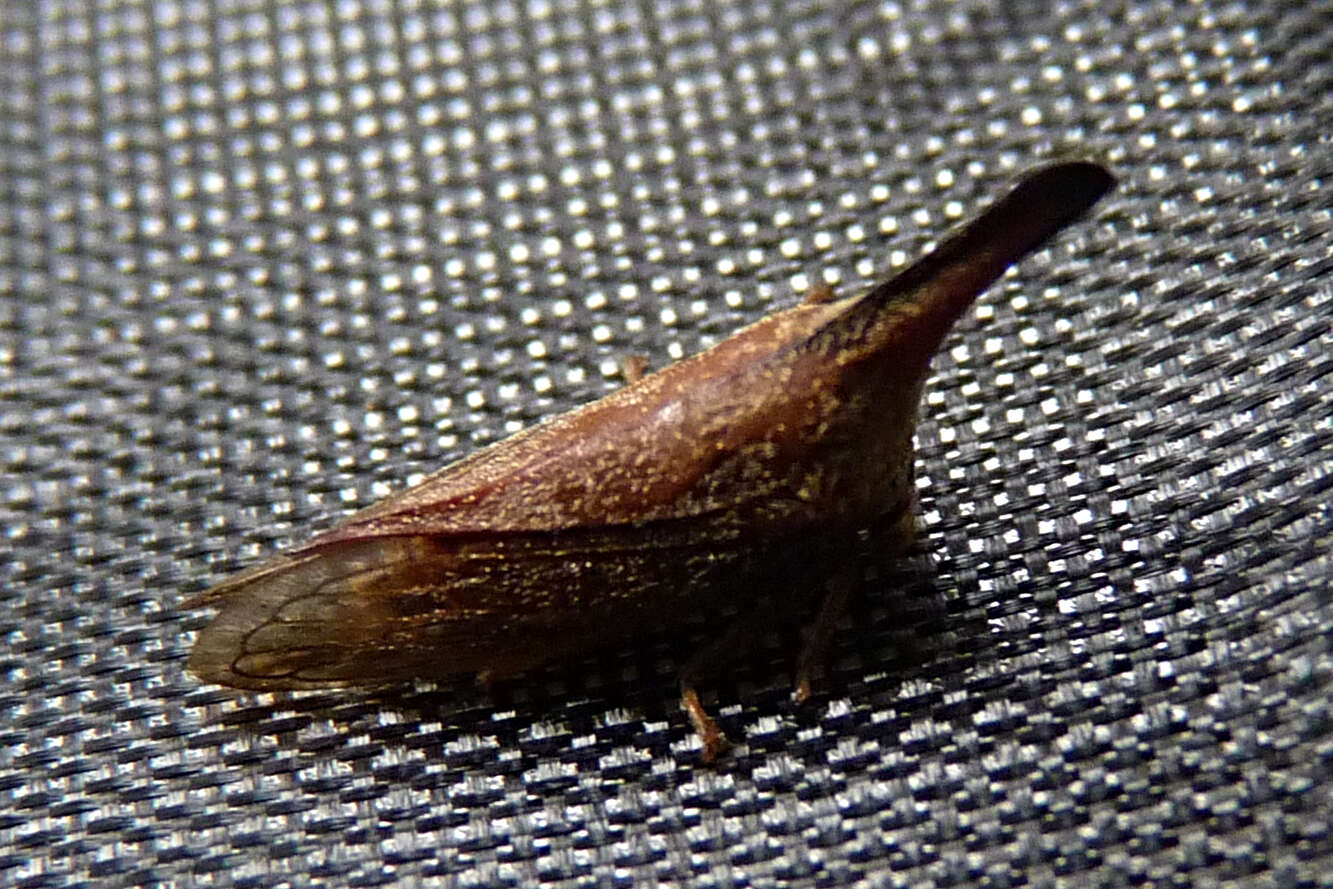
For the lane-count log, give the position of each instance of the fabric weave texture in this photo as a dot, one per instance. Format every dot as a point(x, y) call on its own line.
point(262, 263)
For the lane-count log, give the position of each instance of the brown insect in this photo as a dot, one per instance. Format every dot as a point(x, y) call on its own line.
point(638, 510)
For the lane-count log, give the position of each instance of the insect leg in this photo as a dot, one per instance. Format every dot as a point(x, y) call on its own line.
point(633, 368)
point(820, 293)
point(897, 529)
point(708, 661)
point(714, 741)
point(814, 653)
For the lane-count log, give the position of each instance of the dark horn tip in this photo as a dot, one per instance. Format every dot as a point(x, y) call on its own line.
point(1074, 185)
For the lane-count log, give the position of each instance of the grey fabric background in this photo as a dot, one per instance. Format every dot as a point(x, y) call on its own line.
point(260, 264)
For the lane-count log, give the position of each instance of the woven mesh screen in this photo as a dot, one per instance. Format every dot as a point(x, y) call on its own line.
point(261, 264)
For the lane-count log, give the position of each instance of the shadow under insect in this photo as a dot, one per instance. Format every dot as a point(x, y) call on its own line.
point(616, 705)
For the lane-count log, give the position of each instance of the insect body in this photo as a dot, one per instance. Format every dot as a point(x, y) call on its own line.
point(640, 508)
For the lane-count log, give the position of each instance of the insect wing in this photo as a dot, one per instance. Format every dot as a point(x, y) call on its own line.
point(393, 608)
